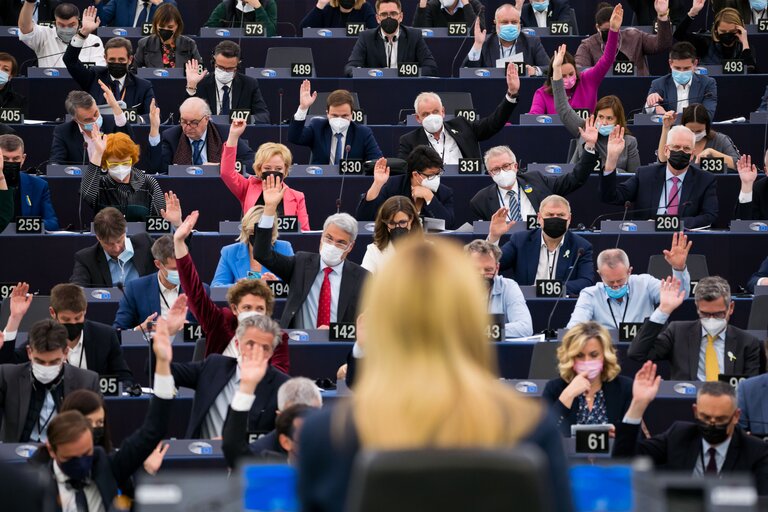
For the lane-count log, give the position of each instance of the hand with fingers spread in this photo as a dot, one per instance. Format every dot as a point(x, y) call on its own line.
point(696, 7)
point(671, 296)
point(747, 173)
point(499, 225)
point(20, 300)
point(306, 96)
point(677, 255)
point(172, 211)
point(90, 21)
point(380, 177)
point(155, 460)
point(253, 367)
point(194, 73)
point(182, 232)
point(272, 191)
point(589, 132)
point(644, 390)
point(177, 315)
point(616, 145)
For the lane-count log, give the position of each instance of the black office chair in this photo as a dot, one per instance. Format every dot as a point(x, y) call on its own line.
point(319, 106)
point(758, 314)
point(574, 22)
point(697, 267)
point(571, 149)
point(198, 354)
point(453, 101)
point(544, 361)
point(38, 310)
point(284, 57)
point(450, 481)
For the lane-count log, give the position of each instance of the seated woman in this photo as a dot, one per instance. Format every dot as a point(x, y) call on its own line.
point(608, 113)
point(581, 87)
point(337, 13)
point(397, 217)
point(234, 13)
point(9, 98)
point(166, 47)
point(271, 159)
point(709, 143)
point(728, 39)
point(590, 390)
point(237, 261)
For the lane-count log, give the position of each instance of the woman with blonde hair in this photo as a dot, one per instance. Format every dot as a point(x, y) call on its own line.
point(396, 219)
point(429, 379)
point(337, 13)
point(590, 390)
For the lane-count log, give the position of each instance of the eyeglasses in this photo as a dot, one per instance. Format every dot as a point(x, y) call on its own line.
point(720, 315)
point(115, 164)
point(678, 147)
point(194, 123)
point(400, 224)
point(431, 177)
point(340, 244)
point(504, 167)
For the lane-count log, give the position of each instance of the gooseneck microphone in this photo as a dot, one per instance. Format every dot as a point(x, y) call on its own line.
point(94, 45)
point(549, 332)
point(343, 174)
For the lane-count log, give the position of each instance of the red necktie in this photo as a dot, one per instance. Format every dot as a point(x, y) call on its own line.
point(324, 304)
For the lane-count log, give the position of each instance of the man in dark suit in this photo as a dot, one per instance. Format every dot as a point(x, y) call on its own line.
point(753, 404)
point(227, 89)
point(714, 445)
point(541, 13)
point(32, 392)
point(439, 13)
point(753, 195)
point(508, 44)
point(501, 165)
point(329, 137)
point(324, 287)
point(92, 345)
point(697, 349)
point(549, 252)
point(683, 86)
point(676, 188)
point(116, 259)
point(759, 278)
point(457, 138)
point(391, 44)
point(128, 13)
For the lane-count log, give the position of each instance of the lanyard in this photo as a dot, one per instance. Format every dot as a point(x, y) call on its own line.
point(504, 53)
point(164, 300)
point(551, 269)
point(438, 142)
point(626, 308)
point(41, 428)
point(505, 205)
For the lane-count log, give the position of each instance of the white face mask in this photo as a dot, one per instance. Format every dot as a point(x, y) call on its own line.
point(330, 254)
point(432, 184)
point(447, 3)
point(714, 326)
point(120, 172)
point(505, 179)
point(242, 6)
point(45, 374)
point(247, 314)
point(338, 124)
point(222, 76)
point(700, 135)
point(433, 123)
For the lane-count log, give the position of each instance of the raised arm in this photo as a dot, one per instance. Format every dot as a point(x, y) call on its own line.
point(26, 17)
point(235, 182)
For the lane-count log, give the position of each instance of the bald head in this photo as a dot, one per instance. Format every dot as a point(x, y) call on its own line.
point(193, 117)
point(195, 107)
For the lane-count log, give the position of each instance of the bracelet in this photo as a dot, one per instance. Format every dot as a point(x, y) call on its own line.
point(82, 35)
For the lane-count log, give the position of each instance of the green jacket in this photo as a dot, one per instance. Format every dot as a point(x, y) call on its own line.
point(266, 14)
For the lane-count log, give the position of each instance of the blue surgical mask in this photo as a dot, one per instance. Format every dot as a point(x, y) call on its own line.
point(682, 77)
point(509, 32)
point(758, 5)
point(540, 6)
point(127, 253)
point(605, 129)
point(617, 294)
point(173, 277)
point(4, 78)
point(89, 126)
point(77, 468)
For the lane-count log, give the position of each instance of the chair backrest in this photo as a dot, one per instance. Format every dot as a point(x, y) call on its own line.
point(38, 310)
point(319, 106)
point(758, 314)
point(450, 481)
point(283, 57)
point(697, 267)
point(453, 101)
point(574, 22)
point(544, 361)
point(571, 149)
point(199, 352)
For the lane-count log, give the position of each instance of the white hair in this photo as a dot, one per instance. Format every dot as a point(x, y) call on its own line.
point(262, 323)
point(612, 258)
point(681, 129)
point(498, 151)
point(197, 104)
point(554, 198)
point(344, 221)
point(423, 96)
point(298, 390)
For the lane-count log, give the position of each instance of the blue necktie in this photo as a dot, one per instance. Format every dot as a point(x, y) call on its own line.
point(514, 207)
point(143, 15)
point(337, 153)
point(224, 110)
point(197, 152)
point(116, 89)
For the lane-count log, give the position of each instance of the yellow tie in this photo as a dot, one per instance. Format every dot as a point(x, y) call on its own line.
point(711, 368)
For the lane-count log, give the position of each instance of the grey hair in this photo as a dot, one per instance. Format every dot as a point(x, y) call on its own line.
point(612, 258)
point(681, 129)
point(162, 249)
point(264, 324)
point(554, 198)
point(712, 288)
point(298, 390)
point(344, 221)
point(197, 104)
point(499, 151)
point(424, 95)
point(717, 388)
point(76, 100)
point(483, 247)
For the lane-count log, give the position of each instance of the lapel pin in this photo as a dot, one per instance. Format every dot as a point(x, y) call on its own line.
point(731, 356)
point(528, 189)
point(567, 253)
point(454, 131)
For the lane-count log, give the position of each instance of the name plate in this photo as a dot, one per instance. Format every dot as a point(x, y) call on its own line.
point(628, 330)
point(342, 332)
point(458, 29)
point(158, 225)
point(470, 166)
point(668, 223)
point(108, 385)
point(734, 67)
point(549, 288)
point(29, 225)
point(408, 69)
point(624, 68)
point(301, 69)
point(495, 329)
point(193, 332)
point(592, 441)
point(354, 29)
point(350, 166)
point(11, 115)
point(713, 164)
point(280, 289)
point(560, 28)
point(254, 29)
point(288, 224)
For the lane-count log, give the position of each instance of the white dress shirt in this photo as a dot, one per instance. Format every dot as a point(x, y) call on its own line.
point(682, 95)
point(334, 142)
point(666, 194)
point(140, 7)
point(213, 424)
point(167, 297)
point(76, 356)
point(445, 146)
point(526, 207)
point(547, 268)
point(541, 18)
point(759, 15)
point(220, 94)
point(44, 41)
point(390, 48)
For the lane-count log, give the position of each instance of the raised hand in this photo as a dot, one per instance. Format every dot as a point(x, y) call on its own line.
point(161, 345)
point(557, 63)
point(20, 299)
point(253, 367)
point(155, 460)
point(747, 173)
point(479, 34)
point(677, 255)
point(671, 296)
point(646, 384)
point(616, 18)
point(380, 172)
point(194, 73)
point(236, 130)
point(90, 21)
point(306, 96)
point(513, 80)
point(154, 118)
point(589, 132)
point(661, 7)
point(172, 211)
point(616, 143)
point(177, 315)
point(109, 96)
point(670, 116)
point(322, 3)
point(272, 191)
point(186, 227)
point(499, 225)
point(696, 8)
point(253, 3)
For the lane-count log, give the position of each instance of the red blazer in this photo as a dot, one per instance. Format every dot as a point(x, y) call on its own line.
point(248, 190)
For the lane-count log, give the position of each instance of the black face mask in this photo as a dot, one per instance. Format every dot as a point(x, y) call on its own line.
point(11, 171)
point(278, 175)
point(165, 33)
point(555, 227)
point(397, 233)
point(117, 69)
point(713, 434)
point(346, 4)
point(679, 160)
point(604, 36)
point(389, 25)
point(98, 436)
point(73, 330)
point(728, 39)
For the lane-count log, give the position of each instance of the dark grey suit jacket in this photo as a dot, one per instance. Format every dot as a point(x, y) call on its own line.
point(149, 52)
point(92, 270)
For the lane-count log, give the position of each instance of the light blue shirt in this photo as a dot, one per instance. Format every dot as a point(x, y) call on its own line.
point(204, 152)
point(47, 413)
point(642, 298)
point(721, 450)
point(507, 299)
point(666, 196)
point(122, 268)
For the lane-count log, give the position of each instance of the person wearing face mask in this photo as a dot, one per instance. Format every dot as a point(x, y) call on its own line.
point(129, 13)
point(330, 136)
point(422, 186)
point(541, 13)
point(751, 11)
point(504, 295)
point(548, 252)
point(391, 43)
point(590, 390)
point(234, 13)
point(712, 446)
point(678, 187)
point(337, 13)
point(623, 297)
point(167, 47)
point(396, 219)
point(753, 196)
point(439, 13)
point(50, 43)
point(31, 392)
point(8, 97)
point(697, 349)
point(682, 86)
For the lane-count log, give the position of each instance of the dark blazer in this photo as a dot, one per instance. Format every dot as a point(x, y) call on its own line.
point(329, 17)
point(441, 206)
point(617, 392)
point(533, 52)
point(645, 13)
point(752, 400)
point(318, 136)
point(536, 185)
point(370, 51)
point(235, 443)
point(68, 146)
point(300, 271)
point(36, 200)
point(149, 52)
point(761, 272)
point(757, 209)
point(680, 344)
point(102, 352)
point(520, 259)
point(138, 92)
point(122, 13)
point(92, 270)
point(559, 10)
point(467, 134)
point(679, 449)
point(703, 89)
point(11, 99)
point(16, 393)
point(245, 95)
point(141, 298)
point(433, 15)
point(646, 186)
point(209, 377)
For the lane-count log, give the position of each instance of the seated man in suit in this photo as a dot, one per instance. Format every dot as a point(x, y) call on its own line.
point(439, 13)
point(330, 136)
point(508, 44)
point(759, 278)
point(422, 186)
point(697, 349)
point(116, 259)
point(227, 89)
point(324, 287)
point(391, 44)
point(31, 392)
point(541, 13)
point(683, 86)
point(457, 138)
point(677, 188)
point(753, 196)
point(752, 403)
point(501, 165)
point(128, 13)
point(136, 93)
point(195, 140)
point(32, 196)
point(92, 345)
point(714, 445)
point(548, 252)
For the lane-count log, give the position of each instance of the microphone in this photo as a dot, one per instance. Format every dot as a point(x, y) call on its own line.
point(149, 359)
point(341, 189)
point(627, 204)
point(611, 214)
point(690, 101)
point(280, 116)
point(94, 45)
point(733, 120)
point(468, 36)
point(549, 332)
